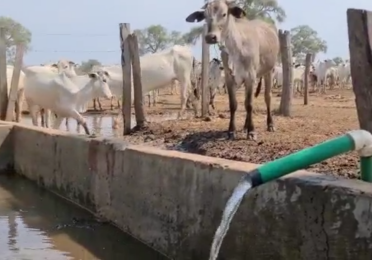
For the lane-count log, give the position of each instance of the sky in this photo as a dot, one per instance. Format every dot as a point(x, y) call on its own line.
point(79, 30)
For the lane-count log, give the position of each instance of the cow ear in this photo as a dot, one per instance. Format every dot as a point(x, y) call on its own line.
point(237, 12)
point(197, 16)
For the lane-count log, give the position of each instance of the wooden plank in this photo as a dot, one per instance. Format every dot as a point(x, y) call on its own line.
point(13, 94)
point(306, 80)
point(3, 77)
point(205, 74)
point(287, 90)
point(137, 83)
point(360, 33)
point(127, 77)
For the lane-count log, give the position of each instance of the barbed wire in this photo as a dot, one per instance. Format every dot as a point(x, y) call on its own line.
point(75, 51)
point(75, 34)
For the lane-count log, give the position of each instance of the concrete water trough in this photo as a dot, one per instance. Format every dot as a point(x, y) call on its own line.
point(173, 201)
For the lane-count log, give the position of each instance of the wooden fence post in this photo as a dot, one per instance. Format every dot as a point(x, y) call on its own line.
point(3, 77)
point(360, 42)
point(127, 77)
point(137, 83)
point(205, 74)
point(13, 94)
point(287, 91)
point(306, 79)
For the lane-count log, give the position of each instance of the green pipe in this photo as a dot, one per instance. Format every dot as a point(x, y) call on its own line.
point(366, 168)
point(354, 140)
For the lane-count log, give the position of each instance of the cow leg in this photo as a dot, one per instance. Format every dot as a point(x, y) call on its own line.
point(233, 105)
point(57, 122)
point(94, 104)
point(42, 117)
point(213, 93)
point(99, 104)
point(269, 118)
point(184, 97)
point(154, 95)
point(249, 126)
point(80, 119)
point(47, 117)
point(112, 104)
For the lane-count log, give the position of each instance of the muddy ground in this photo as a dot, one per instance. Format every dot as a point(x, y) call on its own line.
point(326, 116)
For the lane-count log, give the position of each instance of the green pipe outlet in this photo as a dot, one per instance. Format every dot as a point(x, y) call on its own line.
point(359, 140)
point(366, 168)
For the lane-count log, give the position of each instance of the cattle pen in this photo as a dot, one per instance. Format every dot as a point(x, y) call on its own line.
point(166, 181)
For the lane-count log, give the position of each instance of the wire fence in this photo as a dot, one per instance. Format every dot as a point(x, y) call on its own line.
point(37, 36)
point(75, 35)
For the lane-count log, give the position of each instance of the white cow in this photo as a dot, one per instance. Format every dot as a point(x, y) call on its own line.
point(278, 76)
point(62, 65)
point(20, 93)
point(320, 70)
point(62, 94)
point(344, 73)
point(298, 75)
point(331, 77)
point(214, 81)
point(158, 70)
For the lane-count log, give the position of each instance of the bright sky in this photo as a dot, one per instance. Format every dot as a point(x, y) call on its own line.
point(84, 29)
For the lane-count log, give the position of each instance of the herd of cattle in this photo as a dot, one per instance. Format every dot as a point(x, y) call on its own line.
point(58, 89)
point(321, 74)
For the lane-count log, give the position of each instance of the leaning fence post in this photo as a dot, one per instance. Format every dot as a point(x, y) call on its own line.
point(127, 77)
point(137, 82)
point(13, 94)
point(3, 77)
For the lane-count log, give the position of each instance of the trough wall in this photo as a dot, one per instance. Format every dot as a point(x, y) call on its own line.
point(173, 201)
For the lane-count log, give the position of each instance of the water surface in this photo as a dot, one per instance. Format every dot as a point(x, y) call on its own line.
point(37, 225)
point(101, 124)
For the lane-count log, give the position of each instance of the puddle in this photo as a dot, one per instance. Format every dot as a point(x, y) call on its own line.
point(36, 225)
point(102, 124)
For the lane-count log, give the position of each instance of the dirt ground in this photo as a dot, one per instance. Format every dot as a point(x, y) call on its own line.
point(326, 116)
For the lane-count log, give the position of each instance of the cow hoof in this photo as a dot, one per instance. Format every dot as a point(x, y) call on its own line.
point(252, 136)
point(230, 135)
point(271, 128)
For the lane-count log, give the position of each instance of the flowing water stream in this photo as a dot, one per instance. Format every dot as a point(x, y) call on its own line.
point(232, 206)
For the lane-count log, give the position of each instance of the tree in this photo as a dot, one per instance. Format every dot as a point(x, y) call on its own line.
point(268, 10)
point(156, 38)
point(86, 66)
point(306, 40)
point(15, 34)
point(338, 60)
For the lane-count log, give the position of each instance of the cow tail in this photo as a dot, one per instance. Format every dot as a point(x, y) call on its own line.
point(258, 89)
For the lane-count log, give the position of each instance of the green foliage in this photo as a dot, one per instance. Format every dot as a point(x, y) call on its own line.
point(193, 35)
point(15, 34)
point(156, 38)
point(338, 60)
point(86, 66)
point(268, 10)
point(304, 40)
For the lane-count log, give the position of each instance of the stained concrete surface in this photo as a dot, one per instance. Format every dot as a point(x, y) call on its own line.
point(173, 201)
